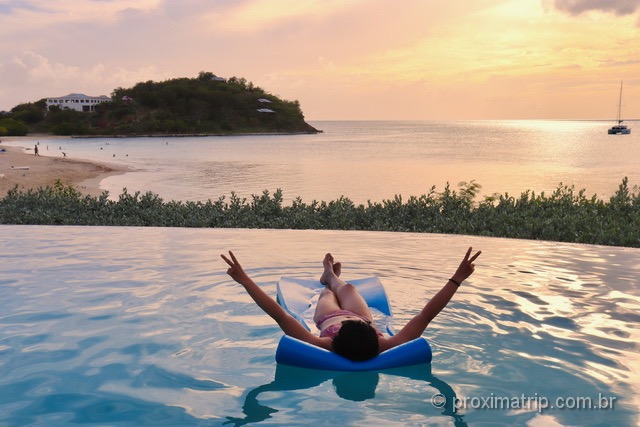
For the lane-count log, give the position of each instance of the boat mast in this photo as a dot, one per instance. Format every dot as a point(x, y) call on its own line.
point(620, 106)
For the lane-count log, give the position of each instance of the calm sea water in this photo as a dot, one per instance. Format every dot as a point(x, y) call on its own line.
point(372, 160)
point(141, 326)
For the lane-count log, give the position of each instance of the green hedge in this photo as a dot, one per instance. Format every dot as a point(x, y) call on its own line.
point(565, 215)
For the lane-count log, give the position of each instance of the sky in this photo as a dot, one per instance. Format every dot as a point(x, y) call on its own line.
point(341, 59)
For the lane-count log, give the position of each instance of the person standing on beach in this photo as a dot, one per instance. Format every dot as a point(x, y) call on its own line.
point(35, 150)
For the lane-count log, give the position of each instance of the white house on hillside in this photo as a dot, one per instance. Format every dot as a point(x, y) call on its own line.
point(77, 101)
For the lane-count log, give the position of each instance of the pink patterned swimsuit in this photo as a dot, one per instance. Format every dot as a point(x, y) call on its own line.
point(332, 330)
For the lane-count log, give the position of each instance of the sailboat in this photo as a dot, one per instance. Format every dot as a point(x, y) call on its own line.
point(619, 129)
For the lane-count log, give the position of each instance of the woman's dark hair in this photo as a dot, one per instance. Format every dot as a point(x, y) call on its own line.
point(356, 340)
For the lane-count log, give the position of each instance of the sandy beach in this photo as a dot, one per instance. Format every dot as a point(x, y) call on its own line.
point(26, 170)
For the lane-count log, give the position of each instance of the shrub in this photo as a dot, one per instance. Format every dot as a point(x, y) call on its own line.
point(565, 215)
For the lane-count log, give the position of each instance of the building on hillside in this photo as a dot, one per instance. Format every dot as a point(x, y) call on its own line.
point(77, 101)
point(266, 112)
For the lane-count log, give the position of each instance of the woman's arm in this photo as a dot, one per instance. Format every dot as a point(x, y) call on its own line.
point(416, 326)
point(287, 323)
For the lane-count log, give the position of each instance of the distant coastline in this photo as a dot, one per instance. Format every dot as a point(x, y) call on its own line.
point(45, 171)
point(192, 135)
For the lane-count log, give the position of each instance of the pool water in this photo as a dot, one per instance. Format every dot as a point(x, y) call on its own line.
point(141, 326)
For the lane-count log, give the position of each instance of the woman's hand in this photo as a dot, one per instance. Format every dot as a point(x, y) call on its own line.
point(466, 267)
point(235, 269)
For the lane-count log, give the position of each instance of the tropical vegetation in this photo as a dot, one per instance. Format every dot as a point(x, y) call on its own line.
point(202, 105)
point(565, 215)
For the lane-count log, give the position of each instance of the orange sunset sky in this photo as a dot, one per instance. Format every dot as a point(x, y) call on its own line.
point(342, 59)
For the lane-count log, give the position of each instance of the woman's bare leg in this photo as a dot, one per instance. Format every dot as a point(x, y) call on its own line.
point(327, 303)
point(347, 296)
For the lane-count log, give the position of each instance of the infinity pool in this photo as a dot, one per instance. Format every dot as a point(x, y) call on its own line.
point(141, 326)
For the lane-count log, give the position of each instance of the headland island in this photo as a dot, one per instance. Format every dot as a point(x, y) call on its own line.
point(205, 105)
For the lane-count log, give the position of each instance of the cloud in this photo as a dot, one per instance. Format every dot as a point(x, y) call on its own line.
point(339, 58)
point(259, 15)
point(618, 7)
point(29, 77)
point(11, 7)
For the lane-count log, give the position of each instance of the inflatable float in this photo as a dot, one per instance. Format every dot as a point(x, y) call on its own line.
point(297, 297)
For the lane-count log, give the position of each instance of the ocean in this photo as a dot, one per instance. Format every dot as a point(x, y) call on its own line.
point(370, 160)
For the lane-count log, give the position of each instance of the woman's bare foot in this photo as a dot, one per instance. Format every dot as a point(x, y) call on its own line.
point(337, 268)
point(329, 266)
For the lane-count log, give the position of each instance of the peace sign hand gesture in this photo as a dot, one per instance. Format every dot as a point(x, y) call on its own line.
point(466, 267)
point(235, 269)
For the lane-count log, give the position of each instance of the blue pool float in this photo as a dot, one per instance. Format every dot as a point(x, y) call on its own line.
point(297, 297)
